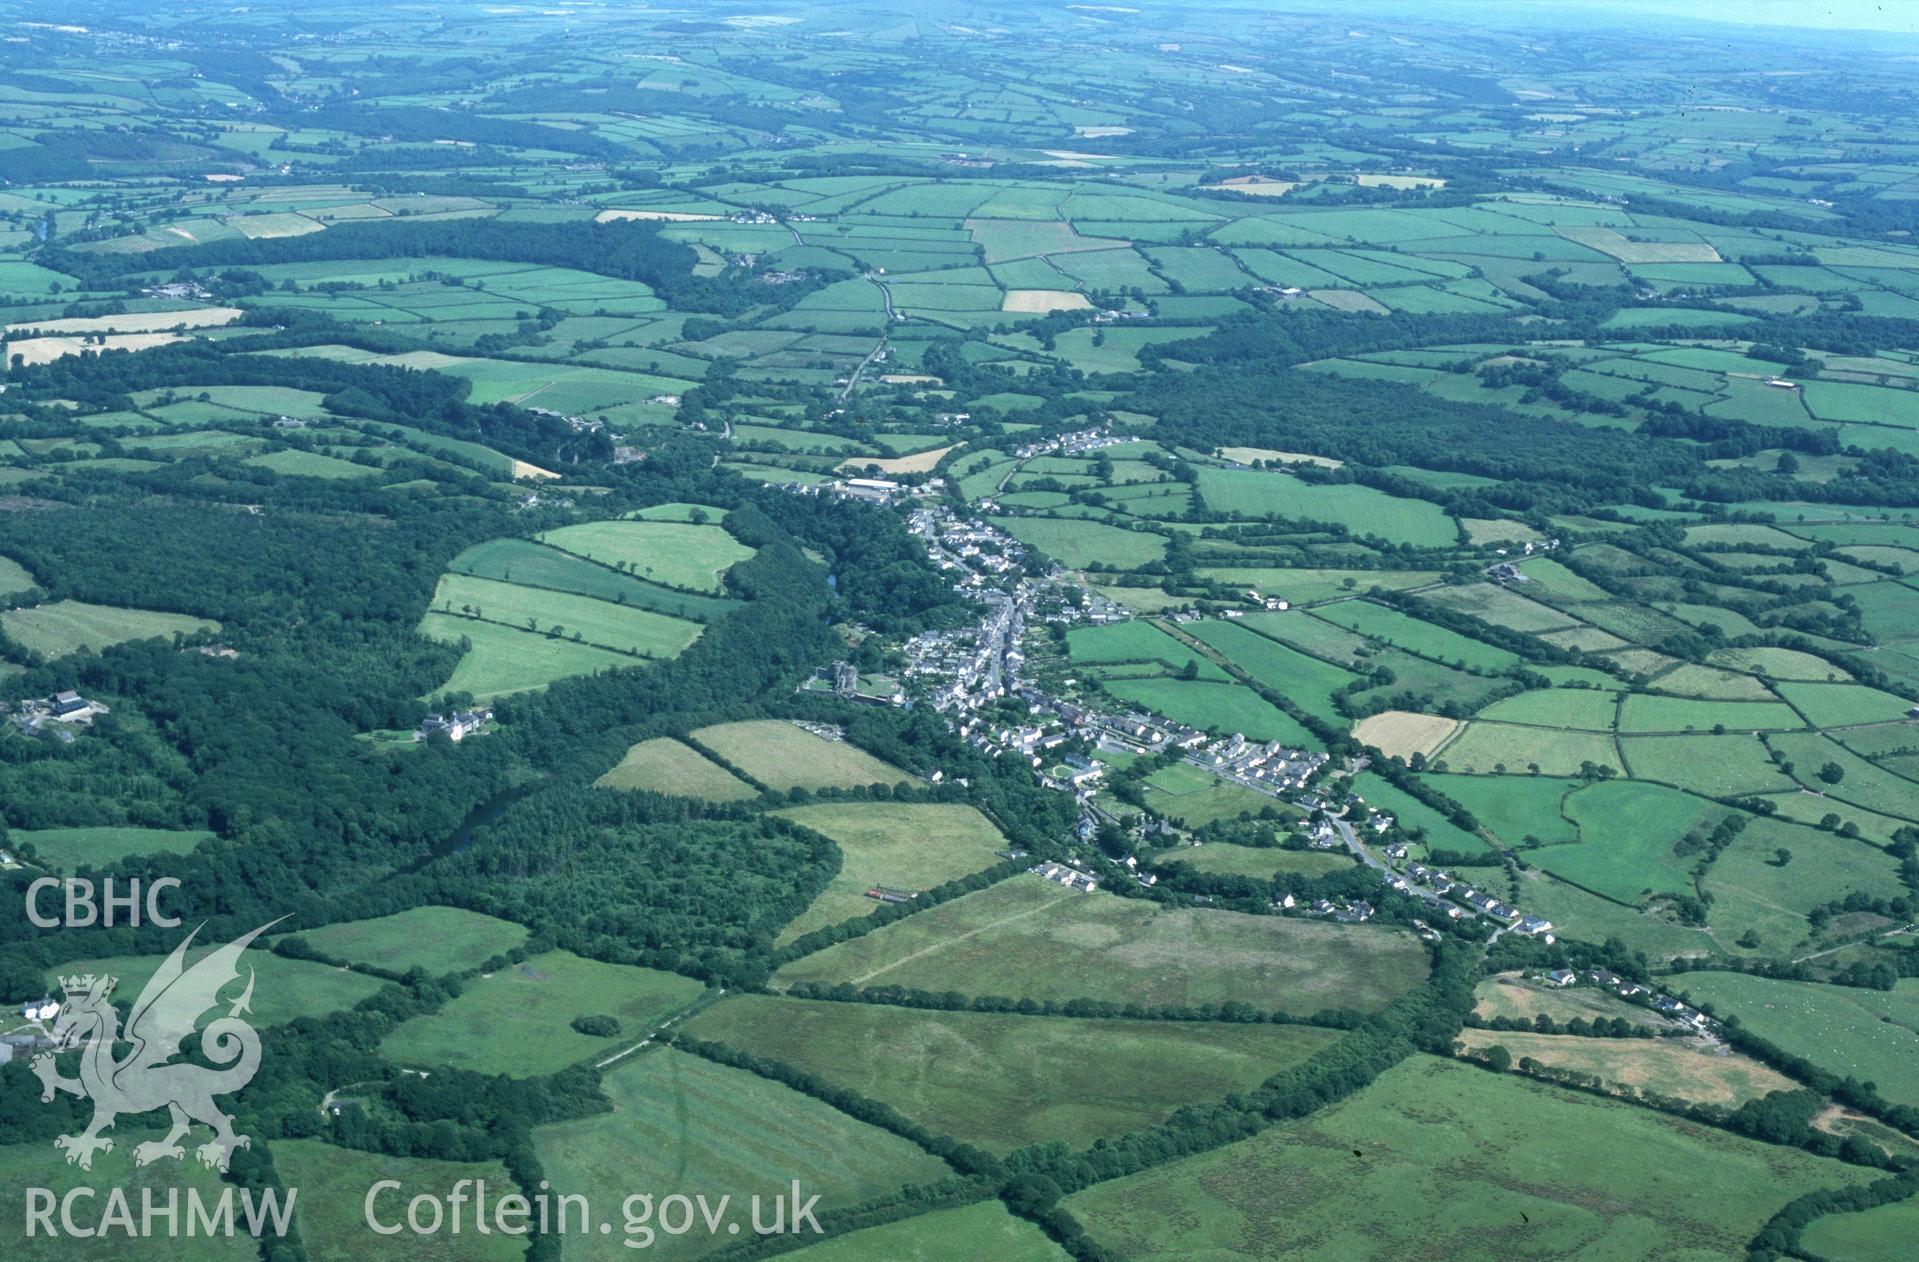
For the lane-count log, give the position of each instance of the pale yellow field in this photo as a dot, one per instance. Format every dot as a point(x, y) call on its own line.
point(521, 469)
point(1669, 1067)
point(910, 379)
point(1259, 186)
point(918, 462)
point(1497, 530)
point(1626, 250)
point(667, 216)
point(1039, 301)
point(1403, 733)
point(1246, 455)
point(186, 232)
point(274, 226)
point(44, 350)
point(143, 322)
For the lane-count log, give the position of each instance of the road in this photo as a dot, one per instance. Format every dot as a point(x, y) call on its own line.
point(853, 379)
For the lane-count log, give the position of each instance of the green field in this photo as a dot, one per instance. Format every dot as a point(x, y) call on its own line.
point(1868, 1034)
point(1080, 543)
point(532, 564)
point(69, 848)
point(67, 626)
point(905, 846)
point(1717, 766)
point(286, 989)
point(1513, 807)
point(1028, 938)
point(40, 1165)
point(1219, 708)
point(332, 1213)
point(562, 615)
point(985, 1230)
point(664, 765)
point(673, 554)
point(437, 939)
point(1192, 797)
point(1135, 641)
point(1485, 748)
point(1306, 681)
point(1582, 709)
point(1002, 1082)
point(684, 1125)
point(1626, 836)
point(1416, 636)
point(783, 756)
point(14, 577)
point(501, 660)
point(1361, 509)
point(517, 1022)
point(1261, 863)
point(1443, 1160)
point(1882, 1234)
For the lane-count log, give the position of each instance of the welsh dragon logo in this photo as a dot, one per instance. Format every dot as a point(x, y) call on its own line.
point(163, 1018)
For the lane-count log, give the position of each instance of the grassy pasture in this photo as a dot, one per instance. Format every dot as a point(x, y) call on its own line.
point(71, 848)
point(1213, 707)
point(438, 939)
point(1469, 1148)
point(67, 626)
point(1136, 641)
point(14, 577)
point(1514, 807)
point(331, 1209)
point(1256, 493)
point(1003, 1081)
point(1864, 783)
point(287, 989)
point(1078, 543)
point(1754, 890)
point(1028, 938)
point(1310, 585)
point(1626, 836)
point(1261, 863)
point(984, 1230)
point(1839, 705)
point(680, 1124)
point(1717, 766)
point(674, 554)
point(529, 564)
point(502, 660)
point(784, 756)
point(1645, 713)
point(1192, 797)
point(664, 765)
point(1485, 748)
point(1581, 709)
point(1420, 822)
point(601, 623)
point(1415, 636)
point(518, 1022)
point(39, 1165)
point(911, 846)
point(1306, 681)
point(1882, 1234)
point(1873, 1035)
